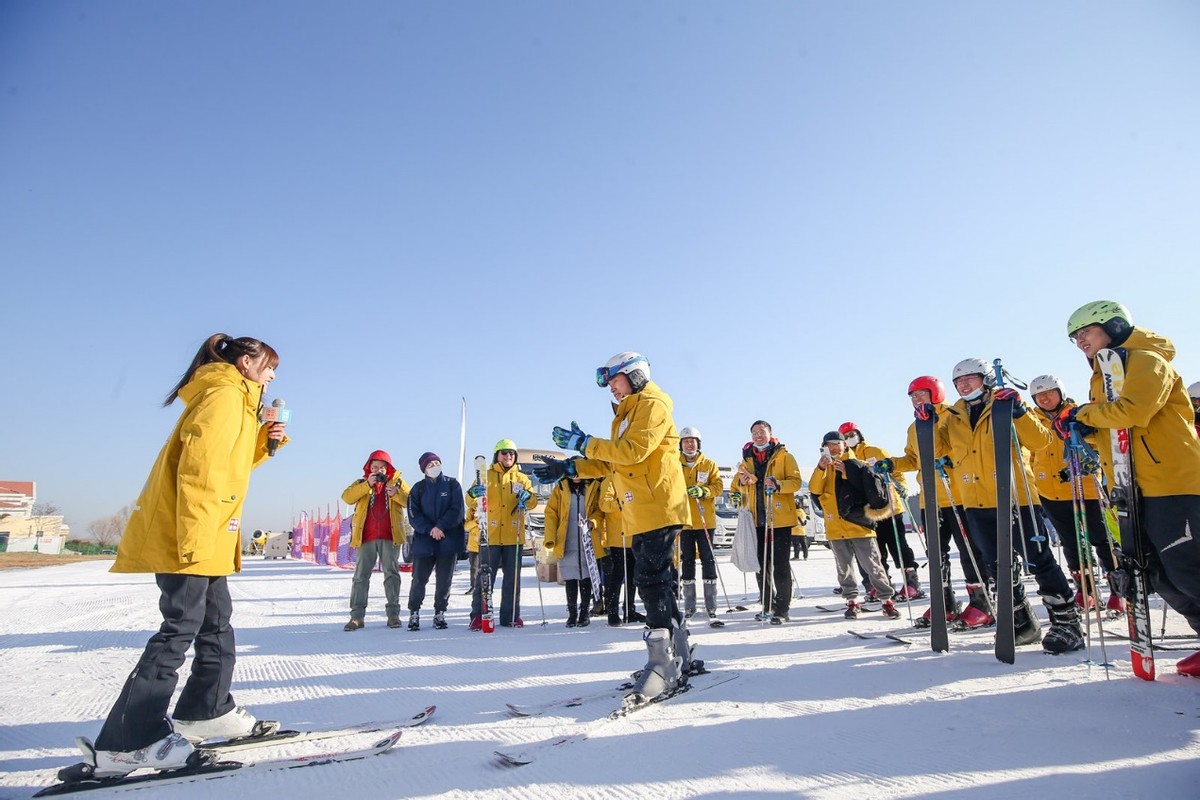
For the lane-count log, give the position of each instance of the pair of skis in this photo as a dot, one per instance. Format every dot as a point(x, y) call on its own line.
point(530, 753)
point(208, 764)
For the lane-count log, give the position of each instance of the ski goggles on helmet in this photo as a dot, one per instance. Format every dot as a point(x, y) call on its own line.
point(606, 374)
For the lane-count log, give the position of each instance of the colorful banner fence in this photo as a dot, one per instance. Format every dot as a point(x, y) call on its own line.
point(323, 540)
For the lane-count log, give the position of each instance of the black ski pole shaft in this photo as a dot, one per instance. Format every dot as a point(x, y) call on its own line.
point(708, 536)
point(887, 480)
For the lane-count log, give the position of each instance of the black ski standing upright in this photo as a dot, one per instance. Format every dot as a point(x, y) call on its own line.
point(939, 638)
point(1002, 427)
point(1131, 577)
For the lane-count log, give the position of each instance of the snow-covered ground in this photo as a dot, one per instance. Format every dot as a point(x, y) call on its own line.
point(814, 712)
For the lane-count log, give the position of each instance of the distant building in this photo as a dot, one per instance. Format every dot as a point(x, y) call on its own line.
point(20, 530)
point(17, 498)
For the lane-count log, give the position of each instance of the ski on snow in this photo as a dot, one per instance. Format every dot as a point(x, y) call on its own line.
point(292, 736)
point(1124, 499)
point(1002, 443)
point(532, 752)
point(568, 702)
point(76, 778)
point(939, 641)
point(209, 766)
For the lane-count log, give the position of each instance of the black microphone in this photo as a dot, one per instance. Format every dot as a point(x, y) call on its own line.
point(276, 413)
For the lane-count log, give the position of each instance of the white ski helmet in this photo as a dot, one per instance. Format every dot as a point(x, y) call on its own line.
point(1194, 391)
point(1044, 383)
point(690, 433)
point(975, 366)
point(634, 365)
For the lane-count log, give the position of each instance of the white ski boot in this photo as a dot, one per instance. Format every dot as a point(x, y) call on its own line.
point(235, 724)
point(662, 671)
point(171, 752)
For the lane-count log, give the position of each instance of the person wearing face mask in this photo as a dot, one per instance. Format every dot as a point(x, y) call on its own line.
point(890, 532)
point(377, 532)
point(186, 529)
point(704, 485)
point(642, 456)
point(437, 512)
point(1156, 410)
point(849, 524)
point(964, 431)
point(766, 482)
point(509, 491)
point(573, 512)
point(929, 389)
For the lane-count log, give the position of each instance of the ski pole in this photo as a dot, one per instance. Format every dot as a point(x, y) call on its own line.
point(538, 578)
point(769, 553)
point(1083, 541)
point(704, 524)
point(962, 529)
point(887, 482)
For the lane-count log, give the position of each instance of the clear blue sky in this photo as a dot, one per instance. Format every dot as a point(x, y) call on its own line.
point(791, 208)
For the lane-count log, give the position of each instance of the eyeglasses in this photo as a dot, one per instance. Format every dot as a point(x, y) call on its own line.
point(512, 453)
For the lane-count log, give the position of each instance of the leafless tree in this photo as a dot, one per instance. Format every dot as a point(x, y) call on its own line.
point(108, 530)
point(48, 508)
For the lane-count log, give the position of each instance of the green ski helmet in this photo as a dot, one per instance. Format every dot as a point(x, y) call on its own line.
point(1113, 317)
point(505, 444)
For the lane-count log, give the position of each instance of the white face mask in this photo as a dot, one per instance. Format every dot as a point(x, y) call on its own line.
point(973, 396)
point(853, 441)
point(433, 472)
point(690, 453)
point(761, 447)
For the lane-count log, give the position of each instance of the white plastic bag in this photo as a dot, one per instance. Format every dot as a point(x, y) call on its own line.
point(745, 543)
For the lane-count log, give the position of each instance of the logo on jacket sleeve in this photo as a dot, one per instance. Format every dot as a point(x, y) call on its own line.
point(629, 497)
point(234, 523)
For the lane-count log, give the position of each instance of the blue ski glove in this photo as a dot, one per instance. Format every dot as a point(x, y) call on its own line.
point(477, 491)
point(883, 466)
point(735, 499)
point(573, 439)
point(943, 463)
point(926, 412)
point(770, 486)
point(523, 496)
point(554, 470)
point(696, 491)
point(1007, 393)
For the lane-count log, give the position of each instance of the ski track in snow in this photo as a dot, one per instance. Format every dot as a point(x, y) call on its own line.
point(815, 713)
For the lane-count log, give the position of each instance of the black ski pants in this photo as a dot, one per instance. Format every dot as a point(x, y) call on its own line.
point(799, 544)
point(506, 558)
point(618, 580)
point(893, 542)
point(655, 575)
point(443, 567)
point(1172, 524)
point(196, 612)
point(689, 543)
point(1045, 570)
point(949, 528)
point(779, 593)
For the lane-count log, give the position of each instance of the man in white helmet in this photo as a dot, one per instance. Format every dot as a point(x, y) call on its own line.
point(964, 431)
point(704, 485)
point(1156, 410)
point(641, 456)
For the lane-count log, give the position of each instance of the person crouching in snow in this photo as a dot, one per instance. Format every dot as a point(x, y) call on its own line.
point(377, 531)
point(572, 512)
point(436, 510)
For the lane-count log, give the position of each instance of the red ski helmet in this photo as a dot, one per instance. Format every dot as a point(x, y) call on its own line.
point(928, 383)
point(846, 427)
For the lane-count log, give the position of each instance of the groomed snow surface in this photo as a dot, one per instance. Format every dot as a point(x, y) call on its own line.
point(815, 712)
